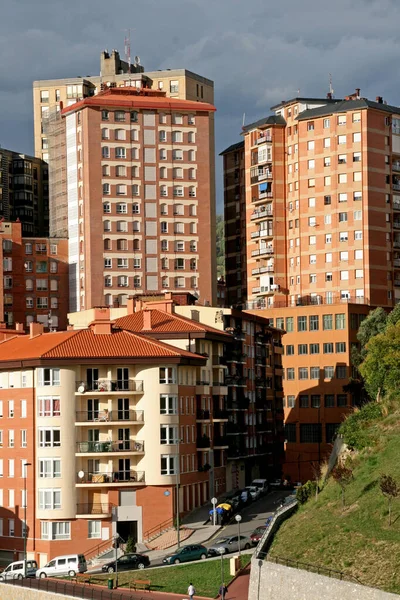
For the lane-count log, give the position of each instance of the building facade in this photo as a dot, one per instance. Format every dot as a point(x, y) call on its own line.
point(107, 421)
point(50, 95)
point(321, 222)
point(24, 192)
point(139, 199)
point(34, 279)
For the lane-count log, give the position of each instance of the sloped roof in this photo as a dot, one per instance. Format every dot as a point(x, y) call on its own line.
point(271, 120)
point(344, 106)
point(86, 344)
point(232, 148)
point(164, 322)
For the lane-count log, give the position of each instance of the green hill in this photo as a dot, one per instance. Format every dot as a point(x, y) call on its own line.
point(358, 539)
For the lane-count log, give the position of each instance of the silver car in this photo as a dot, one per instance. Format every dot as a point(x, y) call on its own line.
point(230, 544)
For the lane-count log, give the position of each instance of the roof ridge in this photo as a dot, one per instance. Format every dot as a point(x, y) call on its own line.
point(64, 341)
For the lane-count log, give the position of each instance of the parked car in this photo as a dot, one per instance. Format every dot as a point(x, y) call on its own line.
point(127, 562)
point(245, 497)
point(261, 484)
point(69, 564)
point(230, 544)
point(276, 484)
point(186, 554)
point(15, 570)
point(257, 534)
point(254, 492)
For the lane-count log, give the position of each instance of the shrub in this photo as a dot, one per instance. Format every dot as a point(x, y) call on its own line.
point(354, 428)
point(306, 491)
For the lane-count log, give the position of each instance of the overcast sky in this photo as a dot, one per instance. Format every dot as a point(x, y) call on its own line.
point(257, 52)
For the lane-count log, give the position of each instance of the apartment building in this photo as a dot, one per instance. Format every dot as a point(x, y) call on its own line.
point(321, 224)
point(235, 225)
point(98, 427)
point(139, 199)
point(24, 192)
point(34, 278)
point(242, 405)
point(50, 95)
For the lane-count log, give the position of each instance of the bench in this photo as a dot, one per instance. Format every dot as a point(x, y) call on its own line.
point(140, 584)
point(82, 578)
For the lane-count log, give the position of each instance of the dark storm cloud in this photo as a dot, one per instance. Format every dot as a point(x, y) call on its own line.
point(258, 52)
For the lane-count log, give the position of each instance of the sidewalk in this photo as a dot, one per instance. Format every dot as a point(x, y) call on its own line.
point(239, 588)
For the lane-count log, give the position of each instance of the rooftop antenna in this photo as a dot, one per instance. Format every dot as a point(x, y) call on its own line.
point(331, 90)
point(244, 118)
point(127, 47)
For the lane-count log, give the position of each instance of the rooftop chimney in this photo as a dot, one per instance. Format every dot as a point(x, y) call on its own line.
point(358, 92)
point(19, 327)
point(35, 329)
point(379, 99)
point(146, 320)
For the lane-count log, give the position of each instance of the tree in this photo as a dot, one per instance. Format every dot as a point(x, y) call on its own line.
point(390, 489)
point(342, 475)
point(130, 546)
point(317, 473)
point(381, 366)
point(374, 324)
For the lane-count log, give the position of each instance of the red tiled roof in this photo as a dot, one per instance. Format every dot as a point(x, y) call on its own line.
point(130, 101)
point(85, 343)
point(163, 322)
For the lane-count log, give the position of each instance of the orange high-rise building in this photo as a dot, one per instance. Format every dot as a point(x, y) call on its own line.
point(139, 203)
point(321, 225)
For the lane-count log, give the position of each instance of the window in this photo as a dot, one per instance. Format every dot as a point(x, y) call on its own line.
point(310, 433)
point(105, 152)
point(313, 259)
point(120, 134)
point(357, 196)
point(310, 145)
point(314, 372)
point(105, 115)
point(55, 530)
point(311, 183)
point(169, 464)
point(290, 374)
point(290, 432)
point(357, 215)
point(168, 404)
point(49, 499)
point(356, 137)
point(119, 116)
point(342, 400)
point(356, 156)
point(340, 347)
point(341, 372)
point(49, 468)
point(120, 152)
point(11, 438)
point(289, 350)
point(357, 176)
point(329, 372)
point(310, 126)
point(291, 401)
point(48, 376)
point(311, 164)
point(10, 409)
point(289, 324)
point(359, 273)
point(303, 401)
point(11, 527)
point(303, 373)
point(314, 348)
point(167, 375)
point(340, 321)
point(342, 178)
point(342, 217)
point(168, 434)
point(341, 139)
point(327, 123)
point(327, 219)
point(314, 323)
point(341, 120)
point(302, 349)
point(49, 438)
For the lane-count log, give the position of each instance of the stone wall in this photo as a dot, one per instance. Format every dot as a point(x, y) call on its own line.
point(16, 592)
point(269, 580)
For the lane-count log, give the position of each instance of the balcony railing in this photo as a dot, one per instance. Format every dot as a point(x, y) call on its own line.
point(110, 476)
point(259, 214)
point(109, 415)
point(396, 262)
point(203, 415)
point(103, 508)
point(203, 442)
point(110, 385)
point(396, 205)
point(261, 270)
point(264, 138)
point(108, 446)
point(262, 251)
point(396, 224)
point(218, 360)
point(396, 186)
point(395, 166)
point(202, 382)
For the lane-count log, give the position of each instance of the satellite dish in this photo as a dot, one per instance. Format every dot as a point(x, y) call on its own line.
point(82, 388)
point(137, 60)
point(81, 474)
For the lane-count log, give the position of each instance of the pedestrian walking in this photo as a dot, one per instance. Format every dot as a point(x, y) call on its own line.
point(223, 590)
point(191, 591)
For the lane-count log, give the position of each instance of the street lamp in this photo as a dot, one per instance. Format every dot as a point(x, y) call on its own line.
point(26, 464)
point(178, 472)
point(238, 518)
point(221, 551)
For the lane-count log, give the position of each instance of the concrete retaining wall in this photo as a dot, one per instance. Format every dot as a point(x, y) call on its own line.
point(269, 580)
point(14, 592)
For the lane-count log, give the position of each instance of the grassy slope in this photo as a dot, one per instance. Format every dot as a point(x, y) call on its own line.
point(358, 540)
point(205, 576)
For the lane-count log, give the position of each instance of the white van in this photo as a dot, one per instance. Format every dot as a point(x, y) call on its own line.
point(15, 570)
point(261, 484)
point(69, 564)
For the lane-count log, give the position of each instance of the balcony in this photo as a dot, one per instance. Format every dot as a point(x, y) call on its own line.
point(218, 361)
point(219, 388)
point(203, 443)
point(235, 380)
point(109, 385)
point(264, 139)
point(109, 416)
point(396, 166)
point(221, 443)
point(396, 224)
point(124, 446)
point(396, 205)
point(261, 270)
point(261, 213)
point(203, 415)
point(237, 452)
point(109, 478)
point(202, 387)
point(220, 414)
point(256, 290)
point(396, 283)
point(262, 233)
point(396, 186)
point(262, 196)
point(236, 428)
point(241, 404)
point(237, 357)
point(396, 262)
point(103, 509)
point(262, 251)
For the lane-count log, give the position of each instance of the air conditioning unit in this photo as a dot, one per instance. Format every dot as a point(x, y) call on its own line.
point(275, 287)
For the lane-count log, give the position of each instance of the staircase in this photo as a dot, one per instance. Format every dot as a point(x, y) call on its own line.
point(158, 530)
point(100, 550)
